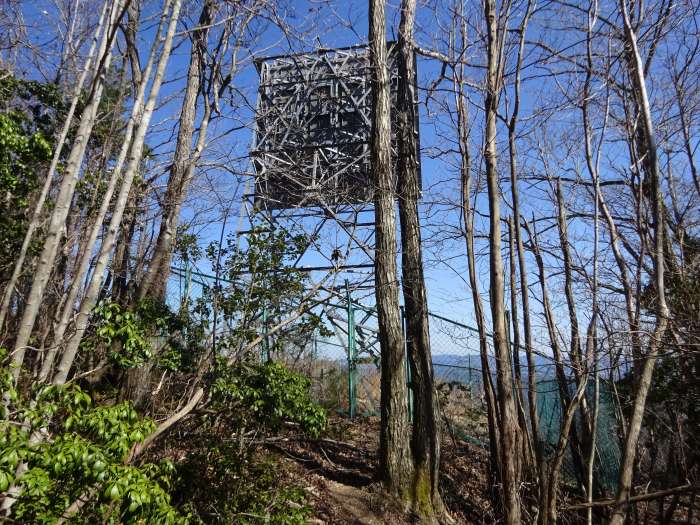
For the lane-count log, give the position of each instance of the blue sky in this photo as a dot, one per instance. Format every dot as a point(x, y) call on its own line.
point(448, 294)
point(218, 190)
point(332, 24)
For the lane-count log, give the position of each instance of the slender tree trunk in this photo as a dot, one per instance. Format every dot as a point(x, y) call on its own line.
point(119, 271)
point(528, 451)
point(156, 278)
point(564, 397)
point(569, 404)
point(594, 434)
point(182, 169)
point(58, 149)
point(536, 451)
point(579, 437)
point(106, 249)
point(510, 439)
point(395, 464)
point(492, 409)
point(84, 261)
point(593, 171)
point(556, 463)
point(575, 350)
point(425, 441)
point(65, 195)
point(468, 220)
point(636, 73)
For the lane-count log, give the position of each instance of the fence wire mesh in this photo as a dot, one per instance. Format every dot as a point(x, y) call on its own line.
point(344, 370)
point(349, 382)
point(607, 443)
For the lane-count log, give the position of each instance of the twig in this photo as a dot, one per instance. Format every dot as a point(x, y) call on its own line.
point(165, 425)
point(634, 499)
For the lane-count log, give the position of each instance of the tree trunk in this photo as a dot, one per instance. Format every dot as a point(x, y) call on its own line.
point(636, 73)
point(156, 279)
point(510, 438)
point(535, 446)
point(580, 438)
point(556, 463)
point(425, 441)
point(119, 272)
point(395, 464)
point(528, 452)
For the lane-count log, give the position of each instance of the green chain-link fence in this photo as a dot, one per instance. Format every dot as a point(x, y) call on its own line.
point(607, 465)
point(353, 357)
point(345, 375)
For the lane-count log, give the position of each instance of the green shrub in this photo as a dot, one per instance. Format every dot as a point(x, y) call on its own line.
point(268, 395)
point(67, 448)
point(218, 485)
point(126, 335)
point(225, 478)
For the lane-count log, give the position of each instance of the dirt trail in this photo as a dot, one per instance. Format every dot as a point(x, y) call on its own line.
point(354, 505)
point(338, 475)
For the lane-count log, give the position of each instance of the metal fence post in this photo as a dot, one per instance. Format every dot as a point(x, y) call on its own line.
point(352, 353)
point(469, 368)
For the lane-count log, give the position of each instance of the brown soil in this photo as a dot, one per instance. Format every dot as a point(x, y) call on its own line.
point(337, 473)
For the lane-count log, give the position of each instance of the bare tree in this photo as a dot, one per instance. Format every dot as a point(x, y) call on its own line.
point(83, 266)
point(636, 73)
point(467, 213)
point(66, 190)
point(549, 482)
point(425, 440)
point(134, 159)
point(185, 159)
point(510, 435)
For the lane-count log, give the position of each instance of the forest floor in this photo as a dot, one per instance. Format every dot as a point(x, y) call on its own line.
point(337, 474)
